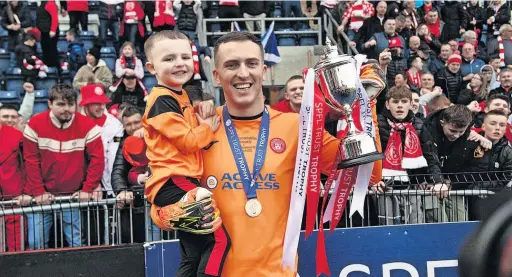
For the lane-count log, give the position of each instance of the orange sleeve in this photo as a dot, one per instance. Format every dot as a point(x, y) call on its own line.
point(377, 166)
point(166, 117)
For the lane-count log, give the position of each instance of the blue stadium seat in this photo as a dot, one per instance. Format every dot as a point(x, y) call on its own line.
point(48, 82)
point(14, 80)
point(108, 54)
point(108, 51)
point(308, 39)
point(286, 39)
point(149, 82)
point(87, 37)
point(4, 60)
point(41, 101)
point(9, 97)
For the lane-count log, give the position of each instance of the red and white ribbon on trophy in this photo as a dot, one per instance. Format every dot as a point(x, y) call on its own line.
point(306, 180)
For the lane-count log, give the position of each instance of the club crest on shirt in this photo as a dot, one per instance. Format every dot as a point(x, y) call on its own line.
point(211, 182)
point(479, 153)
point(277, 145)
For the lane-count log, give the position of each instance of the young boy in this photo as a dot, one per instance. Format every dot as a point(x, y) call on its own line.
point(76, 52)
point(399, 129)
point(26, 58)
point(174, 137)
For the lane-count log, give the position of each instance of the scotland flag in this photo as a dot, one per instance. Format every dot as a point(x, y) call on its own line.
point(269, 42)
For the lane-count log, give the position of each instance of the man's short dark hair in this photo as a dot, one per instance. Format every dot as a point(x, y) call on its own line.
point(72, 32)
point(158, 36)
point(131, 111)
point(293, 78)
point(239, 37)
point(457, 115)
point(437, 103)
point(399, 93)
point(9, 107)
point(494, 97)
point(63, 92)
point(400, 18)
point(496, 112)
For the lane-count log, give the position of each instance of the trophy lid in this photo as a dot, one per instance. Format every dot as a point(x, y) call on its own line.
point(331, 56)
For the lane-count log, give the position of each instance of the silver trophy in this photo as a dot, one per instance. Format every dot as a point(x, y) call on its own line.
point(337, 77)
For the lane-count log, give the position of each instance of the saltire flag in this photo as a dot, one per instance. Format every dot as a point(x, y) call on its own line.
point(269, 42)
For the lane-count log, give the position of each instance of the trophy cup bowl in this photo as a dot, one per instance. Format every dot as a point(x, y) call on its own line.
point(337, 77)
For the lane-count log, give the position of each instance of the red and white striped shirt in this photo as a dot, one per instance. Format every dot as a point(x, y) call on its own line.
point(362, 8)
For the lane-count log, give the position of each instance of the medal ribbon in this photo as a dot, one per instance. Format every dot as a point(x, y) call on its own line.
point(248, 180)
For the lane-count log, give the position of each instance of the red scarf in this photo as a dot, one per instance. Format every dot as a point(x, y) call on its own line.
point(123, 61)
point(435, 29)
point(164, 13)
point(133, 12)
point(399, 156)
point(195, 57)
point(100, 121)
point(283, 106)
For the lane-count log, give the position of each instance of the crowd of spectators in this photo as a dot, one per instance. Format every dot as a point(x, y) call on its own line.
point(448, 86)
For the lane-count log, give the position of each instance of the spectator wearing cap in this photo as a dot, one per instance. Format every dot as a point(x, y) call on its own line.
point(94, 72)
point(398, 62)
point(15, 19)
point(129, 91)
point(449, 79)
point(380, 41)
point(63, 155)
point(94, 104)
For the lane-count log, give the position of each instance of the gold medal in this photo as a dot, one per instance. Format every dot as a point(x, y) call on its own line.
point(253, 207)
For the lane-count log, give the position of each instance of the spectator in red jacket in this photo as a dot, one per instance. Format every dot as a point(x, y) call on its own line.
point(11, 186)
point(77, 11)
point(64, 155)
point(292, 96)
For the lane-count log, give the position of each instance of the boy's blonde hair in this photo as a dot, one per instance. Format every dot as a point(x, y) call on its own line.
point(158, 36)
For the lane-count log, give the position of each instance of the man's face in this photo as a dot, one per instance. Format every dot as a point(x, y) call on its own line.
point(408, 23)
point(390, 26)
point(95, 110)
point(506, 79)
point(498, 104)
point(451, 131)
point(62, 109)
point(432, 18)
point(132, 123)
point(446, 52)
point(414, 43)
point(399, 108)
point(495, 127)
point(382, 8)
point(9, 117)
point(454, 45)
point(294, 90)
point(468, 51)
point(173, 66)
point(399, 25)
point(454, 67)
point(471, 39)
point(399, 80)
point(495, 63)
point(240, 70)
point(415, 104)
point(507, 33)
point(130, 83)
point(427, 81)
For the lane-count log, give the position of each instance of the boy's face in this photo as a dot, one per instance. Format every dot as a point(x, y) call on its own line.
point(498, 104)
point(495, 127)
point(69, 37)
point(294, 90)
point(399, 80)
point(399, 108)
point(171, 62)
point(495, 63)
point(127, 51)
point(451, 131)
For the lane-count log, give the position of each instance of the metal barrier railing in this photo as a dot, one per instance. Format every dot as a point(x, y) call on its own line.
point(331, 27)
point(263, 22)
point(69, 223)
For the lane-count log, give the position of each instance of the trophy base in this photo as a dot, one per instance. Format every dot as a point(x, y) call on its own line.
point(368, 158)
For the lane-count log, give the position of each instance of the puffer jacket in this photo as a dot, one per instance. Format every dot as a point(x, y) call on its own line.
point(120, 170)
point(111, 9)
point(441, 154)
point(188, 17)
point(450, 83)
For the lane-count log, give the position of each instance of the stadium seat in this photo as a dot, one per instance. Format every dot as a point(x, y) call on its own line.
point(9, 97)
point(87, 37)
point(14, 79)
point(62, 43)
point(286, 39)
point(48, 82)
point(108, 54)
point(4, 60)
point(41, 101)
point(149, 82)
point(308, 39)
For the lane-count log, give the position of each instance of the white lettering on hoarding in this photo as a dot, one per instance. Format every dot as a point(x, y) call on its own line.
point(387, 268)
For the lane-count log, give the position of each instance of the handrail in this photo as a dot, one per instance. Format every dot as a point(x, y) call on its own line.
point(57, 206)
point(33, 201)
point(329, 31)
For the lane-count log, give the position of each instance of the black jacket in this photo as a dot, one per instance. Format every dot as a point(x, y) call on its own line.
point(370, 27)
point(420, 12)
point(110, 12)
point(501, 17)
point(187, 19)
point(483, 163)
point(476, 12)
point(395, 67)
point(441, 154)
point(454, 18)
point(23, 14)
point(255, 7)
point(501, 90)
point(135, 97)
point(120, 170)
point(451, 83)
point(467, 96)
point(23, 52)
